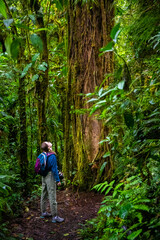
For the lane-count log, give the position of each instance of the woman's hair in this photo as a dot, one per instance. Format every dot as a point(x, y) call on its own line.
point(44, 147)
point(49, 144)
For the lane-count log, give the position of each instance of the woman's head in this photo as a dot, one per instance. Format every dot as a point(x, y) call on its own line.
point(49, 144)
point(44, 147)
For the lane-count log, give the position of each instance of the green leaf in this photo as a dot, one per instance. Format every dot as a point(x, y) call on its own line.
point(15, 48)
point(3, 176)
point(131, 178)
point(114, 193)
point(111, 183)
point(115, 32)
point(139, 216)
point(25, 70)
point(100, 185)
point(125, 210)
point(7, 22)
point(142, 200)
point(34, 58)
point(107, 48)
point(141, 207)
point(103, 141)
point(133, 235)
point(107, 154)
point(104, 188)
point(3, 9)
point(41, 29)
point(43, 66)
point(8, 43)
point(108, 190)
point(59, 5)
point(66, 234)
point(102, 167)
point(100, 92)
point(129, 120)
point(118, 186)
point(23, 26)
point(35, 77)
point(92, 100)
point(121, 85)
point(101, 102)
point(103, 209)
point(33, 18)
point(37, 42)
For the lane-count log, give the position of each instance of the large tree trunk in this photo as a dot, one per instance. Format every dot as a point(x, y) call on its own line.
point(89, 29)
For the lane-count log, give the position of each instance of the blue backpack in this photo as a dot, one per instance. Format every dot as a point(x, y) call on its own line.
point(41, 165)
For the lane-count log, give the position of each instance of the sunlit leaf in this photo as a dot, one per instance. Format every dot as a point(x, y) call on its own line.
point(25, 70)
point(141, 207)
point(43, 66)
point(7, 22)
point(3, 9)
point(35, 77)
point(121, 85)
point(8, 43)
point(107, 48)
point(66, 234)
point(41, 29)
point(133, 235)
point(34, 58)
point(92, 100)
point(100, 92)
point(115, 32)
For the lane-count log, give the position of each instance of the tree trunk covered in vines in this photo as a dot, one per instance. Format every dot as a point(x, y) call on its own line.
point(23, 160)
point(42, 82)
point(89, 28)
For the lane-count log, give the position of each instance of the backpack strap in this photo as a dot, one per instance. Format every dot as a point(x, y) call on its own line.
point(45, 158)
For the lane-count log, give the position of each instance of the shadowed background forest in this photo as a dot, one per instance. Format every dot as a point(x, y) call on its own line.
point(84, 75)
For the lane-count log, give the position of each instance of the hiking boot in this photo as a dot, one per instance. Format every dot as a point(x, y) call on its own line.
point(46, 214)
point(57, 219)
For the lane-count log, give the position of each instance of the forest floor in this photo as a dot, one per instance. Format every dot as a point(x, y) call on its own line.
point(75, 208)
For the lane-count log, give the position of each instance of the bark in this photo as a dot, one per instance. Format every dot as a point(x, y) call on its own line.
point(89, 30)
point(42, 82)
point(23, 160)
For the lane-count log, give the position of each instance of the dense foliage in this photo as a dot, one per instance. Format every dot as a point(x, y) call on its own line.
point(130, 109)
point(22, 70)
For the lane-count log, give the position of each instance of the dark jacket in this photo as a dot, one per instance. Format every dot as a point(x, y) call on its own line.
point(52, 165)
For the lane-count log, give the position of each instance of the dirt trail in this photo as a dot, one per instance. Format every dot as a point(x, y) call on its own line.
point(75, 208)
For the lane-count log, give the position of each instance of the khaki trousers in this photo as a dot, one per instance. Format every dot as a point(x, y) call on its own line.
point(49, 191)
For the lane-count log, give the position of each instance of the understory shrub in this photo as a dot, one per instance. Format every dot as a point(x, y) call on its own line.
point(129, 210)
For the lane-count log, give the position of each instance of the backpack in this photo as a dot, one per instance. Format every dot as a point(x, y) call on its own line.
point(41, 165)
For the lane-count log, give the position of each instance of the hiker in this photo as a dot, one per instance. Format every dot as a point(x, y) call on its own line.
point(49, 184)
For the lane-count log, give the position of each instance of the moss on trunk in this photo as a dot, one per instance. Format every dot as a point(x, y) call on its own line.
point(42, 82)
point(89, 29)
point(23, 160)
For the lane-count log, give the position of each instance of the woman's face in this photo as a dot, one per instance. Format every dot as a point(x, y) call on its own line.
point(50, 145)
